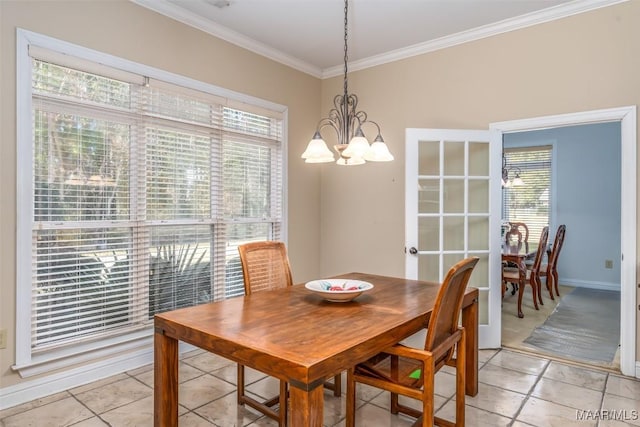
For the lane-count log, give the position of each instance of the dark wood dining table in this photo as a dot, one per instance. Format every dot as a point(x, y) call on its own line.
point(297, 336)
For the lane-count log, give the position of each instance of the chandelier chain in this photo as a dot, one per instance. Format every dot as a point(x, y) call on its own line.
point(346, 58)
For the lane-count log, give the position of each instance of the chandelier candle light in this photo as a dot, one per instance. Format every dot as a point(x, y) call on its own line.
point(506, 182)
point(353, 147)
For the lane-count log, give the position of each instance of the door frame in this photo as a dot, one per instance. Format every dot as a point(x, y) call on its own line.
point(628, 238)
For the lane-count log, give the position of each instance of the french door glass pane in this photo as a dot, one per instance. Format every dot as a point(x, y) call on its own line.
point(429, 267)
point(454, 159)
point(453, 228)
point(478, 238)
point(479, 196)
point(454, 196)
point(428, 233)
point(478, 159)
point(429, 158)
point(428, 196)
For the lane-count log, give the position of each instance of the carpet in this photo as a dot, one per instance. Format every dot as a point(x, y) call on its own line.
point(585, 325)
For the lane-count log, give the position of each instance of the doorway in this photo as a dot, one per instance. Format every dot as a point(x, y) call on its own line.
point(626, 116)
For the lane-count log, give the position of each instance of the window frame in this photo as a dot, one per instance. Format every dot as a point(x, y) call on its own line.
point(26, 362)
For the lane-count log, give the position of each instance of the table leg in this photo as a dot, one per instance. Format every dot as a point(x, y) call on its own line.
point(165, 378)
point(470, 324)
point(306, 406)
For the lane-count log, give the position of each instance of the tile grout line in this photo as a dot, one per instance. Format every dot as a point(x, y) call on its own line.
point(528, 395)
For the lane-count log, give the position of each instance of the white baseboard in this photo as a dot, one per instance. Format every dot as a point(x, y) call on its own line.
point(606, 286)
point(637, 369)
point(28, 390)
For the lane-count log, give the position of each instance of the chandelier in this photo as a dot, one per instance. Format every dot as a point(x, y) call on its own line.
point(353, 147)
point(506, 182)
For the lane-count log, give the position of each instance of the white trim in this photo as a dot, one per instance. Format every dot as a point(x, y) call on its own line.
point(26, 38)
point(505, 26)
point(637, 369)
point(196, 21)
point(83, 353)
point(26, 391)
point(627, 117)
point(605, 286)
point(24, 202)
point(179, 14)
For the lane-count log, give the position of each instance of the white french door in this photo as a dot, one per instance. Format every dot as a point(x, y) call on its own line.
point(452, 198)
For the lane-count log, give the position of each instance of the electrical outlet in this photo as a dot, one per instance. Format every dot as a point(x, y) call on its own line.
point(3, 338)
point(608, 263)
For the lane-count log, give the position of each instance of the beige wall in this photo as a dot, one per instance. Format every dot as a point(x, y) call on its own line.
point(340, 219)
point(121, 28)
point(586, 62)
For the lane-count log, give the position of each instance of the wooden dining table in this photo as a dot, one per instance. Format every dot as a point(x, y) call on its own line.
point(297, 336)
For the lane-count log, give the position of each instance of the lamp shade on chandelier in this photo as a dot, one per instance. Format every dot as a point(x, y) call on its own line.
point(353, 148)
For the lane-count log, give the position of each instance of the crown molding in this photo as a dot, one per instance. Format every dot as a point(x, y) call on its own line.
point(196, 21)
point(553, 13)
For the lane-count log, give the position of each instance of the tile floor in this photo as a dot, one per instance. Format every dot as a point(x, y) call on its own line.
point(516, 389)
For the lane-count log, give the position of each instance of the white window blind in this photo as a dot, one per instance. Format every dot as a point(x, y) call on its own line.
point(529, 202)
point(142, 191)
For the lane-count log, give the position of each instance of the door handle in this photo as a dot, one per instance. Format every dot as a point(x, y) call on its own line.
point(413, 250)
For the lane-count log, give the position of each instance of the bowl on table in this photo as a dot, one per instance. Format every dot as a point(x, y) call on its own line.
point(338, 290)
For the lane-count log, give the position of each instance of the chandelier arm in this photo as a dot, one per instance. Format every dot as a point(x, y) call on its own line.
point(326, 122)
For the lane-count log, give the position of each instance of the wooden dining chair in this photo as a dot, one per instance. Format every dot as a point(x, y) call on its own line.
point(518, 233)
point(265, 266)
point(516, 236)
point(407, 371)
point(550, 269)
point(532, 274)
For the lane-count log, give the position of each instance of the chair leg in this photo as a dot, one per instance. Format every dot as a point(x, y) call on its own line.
point(240, 388)
point(534, 291)
point(461, 356)
point(535, 281)
point(555, 281)
point(394, 407)
point(550, 284)
point(283, 404)
point(350, 420)
point(337, 385)
point(428, 391)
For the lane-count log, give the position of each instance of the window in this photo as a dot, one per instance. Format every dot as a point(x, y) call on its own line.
point(142, 189)
point(528, 202)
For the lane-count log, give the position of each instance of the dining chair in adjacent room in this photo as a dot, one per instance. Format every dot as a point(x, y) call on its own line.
point(265, 266)
point(550, 270)
point(533, 273)
point(408, 371)
point(518, 233)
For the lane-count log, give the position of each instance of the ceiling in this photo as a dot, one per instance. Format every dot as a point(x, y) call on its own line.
point(309, 34)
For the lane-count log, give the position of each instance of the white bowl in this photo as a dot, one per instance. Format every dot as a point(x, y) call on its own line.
point(338, 290)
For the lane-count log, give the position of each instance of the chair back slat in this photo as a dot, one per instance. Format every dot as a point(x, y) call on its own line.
point(446, 312)
point(542, 244)
point(557, 246)
point(265, 266)
point(518, 234)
